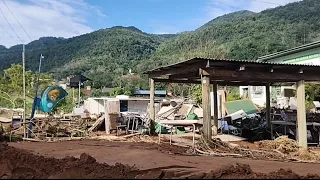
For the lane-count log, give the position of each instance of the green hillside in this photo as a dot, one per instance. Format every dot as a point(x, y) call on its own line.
point(106, 54)
point(102, 53)
point(247, 35)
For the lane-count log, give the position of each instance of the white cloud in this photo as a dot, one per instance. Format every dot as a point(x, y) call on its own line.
point(59, 18)
point(257, 6)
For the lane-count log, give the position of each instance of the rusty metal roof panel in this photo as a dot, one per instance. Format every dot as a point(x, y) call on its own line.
point(204, 60)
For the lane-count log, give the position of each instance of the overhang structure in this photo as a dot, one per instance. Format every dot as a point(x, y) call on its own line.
point(236, 73)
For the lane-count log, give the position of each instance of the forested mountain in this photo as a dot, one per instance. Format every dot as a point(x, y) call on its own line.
point(247, 35)
point(102, 53)
point(107, 54)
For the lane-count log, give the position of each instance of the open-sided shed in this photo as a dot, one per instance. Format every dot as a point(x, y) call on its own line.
point(206, 71)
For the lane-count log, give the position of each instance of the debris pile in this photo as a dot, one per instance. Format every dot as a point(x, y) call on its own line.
point(56, 127)
point(20, 164)
point(216, 147)
point(282, 144)
point(290, 149)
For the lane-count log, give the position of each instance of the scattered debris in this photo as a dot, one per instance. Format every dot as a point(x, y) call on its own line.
point(216, 147)
point(96, 124)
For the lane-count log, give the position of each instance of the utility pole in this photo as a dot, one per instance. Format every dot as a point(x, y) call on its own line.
point(24, 90)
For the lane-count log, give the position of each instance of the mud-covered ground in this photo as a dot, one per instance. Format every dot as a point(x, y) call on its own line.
point(102, 159)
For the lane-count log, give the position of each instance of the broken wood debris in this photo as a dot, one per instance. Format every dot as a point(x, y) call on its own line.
point(96, 124)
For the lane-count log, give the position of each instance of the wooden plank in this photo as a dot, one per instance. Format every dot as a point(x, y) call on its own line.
point(98, 122)
point(33, 140)
point(131, 135)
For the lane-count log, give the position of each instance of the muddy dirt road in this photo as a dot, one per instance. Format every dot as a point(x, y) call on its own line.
point(146, 156)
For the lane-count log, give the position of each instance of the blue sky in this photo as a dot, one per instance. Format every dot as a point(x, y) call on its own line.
point(152, 16)
point(68, 18)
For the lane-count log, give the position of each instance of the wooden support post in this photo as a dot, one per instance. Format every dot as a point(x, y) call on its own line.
point(106, 117)
point(223, 100)
point(152, 114)
point(215, 108)
point(207, 131)
point(301, 115)
point(268, 109)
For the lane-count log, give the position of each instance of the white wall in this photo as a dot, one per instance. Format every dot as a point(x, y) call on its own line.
point(260, 98)
point(256, 93)
point(212, 104)
point(94, 106)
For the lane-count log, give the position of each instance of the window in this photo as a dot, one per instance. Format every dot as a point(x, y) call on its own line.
point(257, 89)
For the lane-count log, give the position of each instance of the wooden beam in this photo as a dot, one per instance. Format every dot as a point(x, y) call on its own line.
point(301, 115)
point(268, 109)
point(207, 131)
point(218, 74)
point(152, 109)
point(189, 75)
point(215, 108)
point(221, 83)
point(178, 70)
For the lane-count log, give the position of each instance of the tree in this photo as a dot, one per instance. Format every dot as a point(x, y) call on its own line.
point(11, 89)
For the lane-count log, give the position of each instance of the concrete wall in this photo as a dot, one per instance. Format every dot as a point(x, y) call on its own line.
point(94, 106)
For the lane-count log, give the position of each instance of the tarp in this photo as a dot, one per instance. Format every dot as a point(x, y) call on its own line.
point(246, 105)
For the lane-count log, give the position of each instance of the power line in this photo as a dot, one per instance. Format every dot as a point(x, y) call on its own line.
point(10, 25)
point(17, 20)
point(6, 31)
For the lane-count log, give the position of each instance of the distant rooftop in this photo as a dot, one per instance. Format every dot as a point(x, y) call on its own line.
point(289, 51)
point(147, 92)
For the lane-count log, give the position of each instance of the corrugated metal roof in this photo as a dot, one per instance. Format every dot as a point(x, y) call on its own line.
point(290, 51)
point(256, 62)
point(200, 59)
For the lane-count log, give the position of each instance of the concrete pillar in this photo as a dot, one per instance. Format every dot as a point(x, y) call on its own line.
point(301, 115)
point(215, 108)
point(205, 81)
point(268, 109)
point(152, 114)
